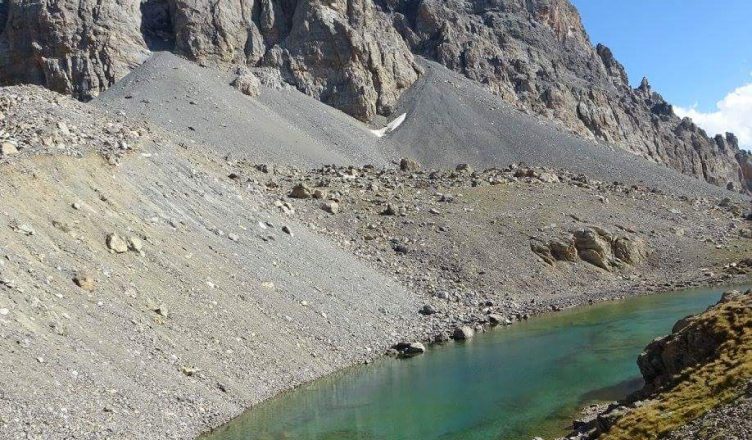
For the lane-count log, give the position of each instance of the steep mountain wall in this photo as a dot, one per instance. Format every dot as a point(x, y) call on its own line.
point(344, 52)
point(536, 54)
point(357, 55)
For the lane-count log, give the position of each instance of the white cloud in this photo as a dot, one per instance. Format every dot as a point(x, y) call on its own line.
point(734, 114)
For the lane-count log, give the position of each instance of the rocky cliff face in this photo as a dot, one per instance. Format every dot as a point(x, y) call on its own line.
point(536, 54)
point(357, 55)
point(343, 52)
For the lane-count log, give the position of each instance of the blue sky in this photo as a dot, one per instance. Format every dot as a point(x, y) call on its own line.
point(696, 53)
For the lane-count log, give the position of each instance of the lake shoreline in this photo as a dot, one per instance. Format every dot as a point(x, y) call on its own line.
point(631, 291)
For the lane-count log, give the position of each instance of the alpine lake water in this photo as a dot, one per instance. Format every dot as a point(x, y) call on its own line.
point(515, 383)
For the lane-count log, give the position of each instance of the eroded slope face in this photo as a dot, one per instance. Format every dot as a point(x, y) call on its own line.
point(158, 290)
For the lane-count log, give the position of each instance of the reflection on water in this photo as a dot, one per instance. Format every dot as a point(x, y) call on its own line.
point(514, 383)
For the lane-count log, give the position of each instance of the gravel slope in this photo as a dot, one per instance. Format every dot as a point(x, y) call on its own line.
point(451, 119)
point(198, 105)
point(220, 310)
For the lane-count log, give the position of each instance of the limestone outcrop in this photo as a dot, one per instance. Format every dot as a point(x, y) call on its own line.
point(592, 245)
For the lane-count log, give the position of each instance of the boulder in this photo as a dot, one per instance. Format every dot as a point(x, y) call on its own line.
point(427, 309)
point(563, 249)
point(464, 168)
point(463, 333)
point(409, 165)
point(495, 319)
point(8, 149)
point(300, 191)
point(542, 250)
point(548, 177)
point(593, 247)
point(409, 349)
point(247, 84)
point(330, 206)
point(116, 244)
point(630, 250)
point(135, 244)
point(85, 281)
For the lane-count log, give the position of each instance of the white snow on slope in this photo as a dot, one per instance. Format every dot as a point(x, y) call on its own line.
point(390, 127)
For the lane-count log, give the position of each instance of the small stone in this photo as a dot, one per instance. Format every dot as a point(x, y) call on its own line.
point(116, 244)
point(331, 207)
point(427, 310)
point(233, 237)
point(85, 281)
point(25, 229)
point(161, 310)
point(135, 244)
point(4, 311)
point(188, 371)
point(286, 229)
point(8, 149)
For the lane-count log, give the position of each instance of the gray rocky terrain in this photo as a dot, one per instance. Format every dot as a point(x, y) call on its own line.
point(359, 57)
point(156, 298)
point(204, 216)
point(152, 280)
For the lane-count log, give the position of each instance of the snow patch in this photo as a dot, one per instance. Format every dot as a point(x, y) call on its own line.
point(390, 127)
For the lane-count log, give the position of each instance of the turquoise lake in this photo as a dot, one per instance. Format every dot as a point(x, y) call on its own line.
point(530, 379)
